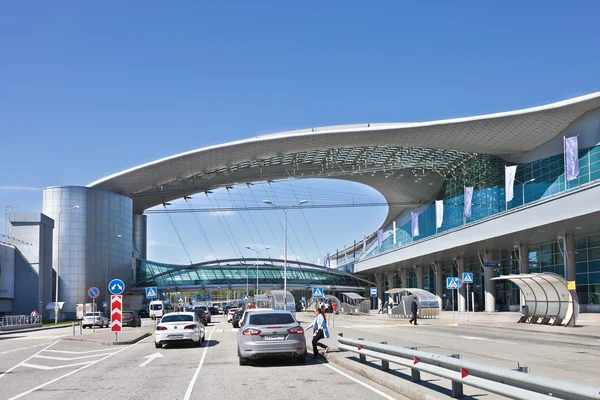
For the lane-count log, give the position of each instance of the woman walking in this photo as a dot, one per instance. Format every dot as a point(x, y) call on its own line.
point(320, 331)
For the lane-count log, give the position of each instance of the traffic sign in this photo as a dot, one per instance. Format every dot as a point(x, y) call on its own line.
point(197, 297)
point(453, 283)
point(318, 293)
point(492, 264)
point(207, 296)
point(93, 292)
point(303, 299)
point(116, 286)
point(467, 277)
point(180, 299)
point(116, 313)
point(245, 297)
point(104, 304)
point(151, 292)
point(373, 292)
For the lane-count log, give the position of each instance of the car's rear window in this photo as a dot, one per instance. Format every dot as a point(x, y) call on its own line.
point(92, 314)
point(271, 319)
point(128, 313)
point(156, 307)
point(176, 318)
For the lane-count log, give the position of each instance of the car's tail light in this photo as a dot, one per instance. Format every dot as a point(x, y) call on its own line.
point(190, 327)
point(161, 328)
point(297, 330)
point(97, 318)
point(251, 332)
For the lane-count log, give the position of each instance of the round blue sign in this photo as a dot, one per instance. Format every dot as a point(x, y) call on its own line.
point(93, 292)
point(116, 286)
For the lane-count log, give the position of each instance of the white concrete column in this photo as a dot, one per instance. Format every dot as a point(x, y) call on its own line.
point(462, 292)
point(490, 285)
point(380, 289)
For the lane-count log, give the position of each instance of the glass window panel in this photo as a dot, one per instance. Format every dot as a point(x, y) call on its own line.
point(594, 253)
point(594, 266)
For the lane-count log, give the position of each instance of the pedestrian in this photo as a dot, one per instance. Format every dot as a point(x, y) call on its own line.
point(381, 308)
point(414, 307)
point(385, 307)
point(390, 306)
point(320, 331)
point(34, 317)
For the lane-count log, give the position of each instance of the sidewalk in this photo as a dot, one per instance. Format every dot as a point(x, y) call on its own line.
point(41, 328)
point(106, 337)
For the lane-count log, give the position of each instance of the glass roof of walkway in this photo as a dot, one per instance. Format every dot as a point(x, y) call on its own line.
point(235, 273)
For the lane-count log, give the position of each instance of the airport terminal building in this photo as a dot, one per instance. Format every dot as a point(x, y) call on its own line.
point(519, 190)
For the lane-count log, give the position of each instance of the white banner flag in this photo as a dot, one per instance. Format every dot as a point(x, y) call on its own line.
point(509, 183)
point(394, 228)
point(439, 213)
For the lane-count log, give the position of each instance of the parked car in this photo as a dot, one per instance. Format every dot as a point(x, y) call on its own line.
point(270, 333)
point(97, 318)
point(178, 327)
point(131, 318)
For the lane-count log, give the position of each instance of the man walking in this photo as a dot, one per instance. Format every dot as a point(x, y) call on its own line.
point(414, 307)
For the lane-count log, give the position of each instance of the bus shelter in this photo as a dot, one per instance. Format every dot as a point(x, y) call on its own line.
point(353, 303)
point(281, 300)
point(429, 305)
point(546, 298)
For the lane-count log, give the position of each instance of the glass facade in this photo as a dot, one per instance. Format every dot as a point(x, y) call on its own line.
point(176, 276)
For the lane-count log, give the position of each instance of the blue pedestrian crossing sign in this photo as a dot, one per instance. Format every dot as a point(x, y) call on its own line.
point(453, 283)
point(180, 299)
point(467, 277)
point(318, 293)
point(245, 297)
point(373, 292)
point(116, 287)
point(104, 304)
point(151, 292)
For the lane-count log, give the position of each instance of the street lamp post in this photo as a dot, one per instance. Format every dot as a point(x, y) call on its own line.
point(285, 210)
point(523, 187)
point(257, 255)
point(58, 263)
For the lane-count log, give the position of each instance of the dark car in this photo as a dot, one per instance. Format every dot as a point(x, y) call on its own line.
point(201, 313)
point(131, 318)
point(237, 315)
point(144, 313)
point(214, 310)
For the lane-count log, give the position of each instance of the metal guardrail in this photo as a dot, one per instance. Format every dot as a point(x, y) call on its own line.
point(13, 320)
point(514, 384)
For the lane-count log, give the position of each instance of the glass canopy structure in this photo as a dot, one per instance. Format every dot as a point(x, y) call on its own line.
point(238, 273)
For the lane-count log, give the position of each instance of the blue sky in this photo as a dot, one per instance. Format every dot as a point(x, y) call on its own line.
point(91, 88)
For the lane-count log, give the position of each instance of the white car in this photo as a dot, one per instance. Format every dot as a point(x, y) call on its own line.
point(230, 314)
point(179, 327)
point(98, 319)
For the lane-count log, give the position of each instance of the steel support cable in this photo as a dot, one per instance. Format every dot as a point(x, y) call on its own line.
point(179, 236)
point(327, 192)
point(254, 223)
point(237, 253)
point(293, 231)
point(243, 220)
point(305, 220)
point(267, 222)
point(212, 250)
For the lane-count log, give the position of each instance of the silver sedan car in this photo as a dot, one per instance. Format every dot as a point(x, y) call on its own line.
point(270, 333)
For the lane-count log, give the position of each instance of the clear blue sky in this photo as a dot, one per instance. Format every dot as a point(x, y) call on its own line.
point(91, 88)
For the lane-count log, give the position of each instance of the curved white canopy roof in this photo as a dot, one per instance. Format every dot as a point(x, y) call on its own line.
point(364, 153)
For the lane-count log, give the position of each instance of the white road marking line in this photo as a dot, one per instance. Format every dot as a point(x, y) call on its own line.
point(72, 372)
point(150, 358)
point(219, 330)
point(235, 329)
point(486, 340)
point(71, 358)
point(190, 388)
point(27, 359)
point(75, 352)
point(46, 368)
point(24, 348)
point(371, 388)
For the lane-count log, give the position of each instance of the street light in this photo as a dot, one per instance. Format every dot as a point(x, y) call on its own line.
point(285, 210)
point(257, 254)
point(523, 186)
point(58, 262)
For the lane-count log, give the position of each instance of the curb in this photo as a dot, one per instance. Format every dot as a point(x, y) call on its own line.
point(404, 390)
point(110, 343)
point(44, 328)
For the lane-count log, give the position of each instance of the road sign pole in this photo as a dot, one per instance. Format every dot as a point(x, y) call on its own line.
point(452, 305)
point(467, 302)
point(94, 315)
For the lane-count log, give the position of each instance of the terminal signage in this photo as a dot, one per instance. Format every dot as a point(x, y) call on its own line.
point(373, 292)
point(492, 264)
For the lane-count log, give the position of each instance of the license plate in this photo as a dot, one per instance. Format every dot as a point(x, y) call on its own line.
point(175, 336)
point(274, 337)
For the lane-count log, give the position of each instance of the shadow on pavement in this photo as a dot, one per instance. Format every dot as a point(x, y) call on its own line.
point(182, 344)
point(266, 362)
point(431, 383)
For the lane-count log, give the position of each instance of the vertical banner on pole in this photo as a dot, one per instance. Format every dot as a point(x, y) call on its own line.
point(509, 182)
point(394, 230)
point(439, 213)
point(468, 201)
point(364, 243)
point(571, 158)
point(414, 221)
point(379, 238)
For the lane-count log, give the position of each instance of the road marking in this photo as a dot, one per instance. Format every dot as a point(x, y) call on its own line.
point(371, 388)
point(190, 388)
point(235, 329)
point(150, 358)
point(46, 368)
point(24, 348)
point(72, 372)
point(71, 358)
point(27, 359)
point(486, 340)
point(74, 352)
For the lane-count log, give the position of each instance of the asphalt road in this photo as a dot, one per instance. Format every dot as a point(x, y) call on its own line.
point(42, 365)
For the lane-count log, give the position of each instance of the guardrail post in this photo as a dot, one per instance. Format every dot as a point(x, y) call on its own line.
point(457, 387)
point(385, 365)
point(522, 368)
point(362, 358)
point(414, 373)
point(342, 335)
